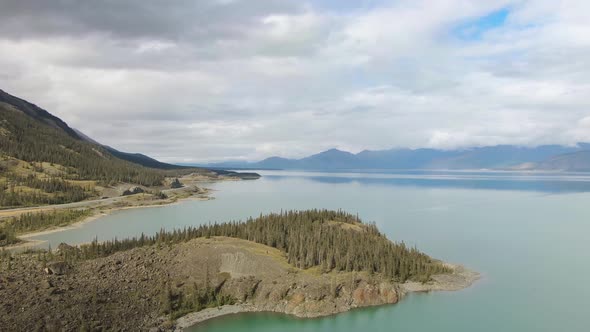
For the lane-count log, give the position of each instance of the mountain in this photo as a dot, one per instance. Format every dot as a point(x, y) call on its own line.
point(37, 113)
point(44, 161)
point(574, 162)
point(490, 157)
point(332, 159)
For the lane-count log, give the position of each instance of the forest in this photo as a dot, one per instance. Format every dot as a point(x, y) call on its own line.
point(30, 190)
point(27, 139)
point(329, 240)
point(10, 228)
point(31, 222)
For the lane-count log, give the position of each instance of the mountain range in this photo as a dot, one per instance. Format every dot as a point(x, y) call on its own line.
point(499, 157)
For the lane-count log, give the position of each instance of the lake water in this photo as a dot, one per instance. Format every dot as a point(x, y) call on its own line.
point(529, 235)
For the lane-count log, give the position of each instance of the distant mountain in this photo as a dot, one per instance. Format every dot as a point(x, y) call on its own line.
point(333, 159)
point(575, 162)
point(501, 156)
point(491, 157)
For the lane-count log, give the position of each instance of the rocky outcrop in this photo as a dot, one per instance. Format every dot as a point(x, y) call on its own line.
point(128, 290)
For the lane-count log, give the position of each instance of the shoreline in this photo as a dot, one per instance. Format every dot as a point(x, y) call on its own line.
point(100, 213)
point(461, 278)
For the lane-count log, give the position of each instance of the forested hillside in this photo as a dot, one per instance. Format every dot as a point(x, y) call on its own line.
point(330, 240)
point(29, 140)
point(44, 164)
point(44, 161)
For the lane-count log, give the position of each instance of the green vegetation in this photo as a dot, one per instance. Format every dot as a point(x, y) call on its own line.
point(31, 222)
point(42, 163)
point(159, 194)
point(7, 237)
point(331, 240)
point(176, 184)
point(27, 139)
point(31, 190)
point(177, 303)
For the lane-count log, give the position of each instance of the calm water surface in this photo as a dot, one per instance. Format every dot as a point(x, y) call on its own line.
point(527, 234)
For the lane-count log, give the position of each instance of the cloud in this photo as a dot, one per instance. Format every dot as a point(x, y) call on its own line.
point(220, 80)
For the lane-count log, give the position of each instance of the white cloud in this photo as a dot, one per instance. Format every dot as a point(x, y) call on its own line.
point(218, 80)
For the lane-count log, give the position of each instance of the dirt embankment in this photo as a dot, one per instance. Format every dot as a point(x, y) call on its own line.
point(127, 290)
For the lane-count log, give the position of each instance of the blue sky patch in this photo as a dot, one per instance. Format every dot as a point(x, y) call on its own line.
point(475, 28)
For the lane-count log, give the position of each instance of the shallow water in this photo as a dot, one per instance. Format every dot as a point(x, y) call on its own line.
point(527, 235)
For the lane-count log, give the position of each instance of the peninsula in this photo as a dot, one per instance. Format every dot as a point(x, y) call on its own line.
point(305, 263)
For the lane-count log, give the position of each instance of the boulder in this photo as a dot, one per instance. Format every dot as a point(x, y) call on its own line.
point(63, 247)
point(133, 191)
point(57, 268)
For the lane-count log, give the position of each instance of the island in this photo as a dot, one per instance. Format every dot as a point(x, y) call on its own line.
point(305, 263)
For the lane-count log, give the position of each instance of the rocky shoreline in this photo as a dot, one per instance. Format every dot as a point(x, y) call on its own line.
point(461, 278)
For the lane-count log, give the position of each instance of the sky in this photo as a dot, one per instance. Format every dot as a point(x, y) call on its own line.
point(216, 80)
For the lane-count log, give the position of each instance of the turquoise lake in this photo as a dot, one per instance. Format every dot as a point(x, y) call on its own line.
point(528, 234)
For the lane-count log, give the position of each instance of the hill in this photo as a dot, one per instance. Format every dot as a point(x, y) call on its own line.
point(44, 161)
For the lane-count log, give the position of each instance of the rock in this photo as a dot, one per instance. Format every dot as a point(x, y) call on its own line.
point(46, 284)
point(370, 294)
point(64, 247)
point(57, 268)
point(133, 191)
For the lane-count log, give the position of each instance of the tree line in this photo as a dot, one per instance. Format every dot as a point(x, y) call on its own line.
point(330, 240)
point(31, 222)
point(7, 237)
point(49, 191)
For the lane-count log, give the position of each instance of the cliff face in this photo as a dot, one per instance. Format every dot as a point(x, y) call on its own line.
point(312, 296)
point(260, 277)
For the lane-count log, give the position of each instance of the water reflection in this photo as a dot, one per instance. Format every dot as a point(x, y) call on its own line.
point(540, 182)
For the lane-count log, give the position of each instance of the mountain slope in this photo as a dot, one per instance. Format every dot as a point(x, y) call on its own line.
point(141, 159)
point(29, 137)
point(37, 113)
point(574, 162)
point(44, 161)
